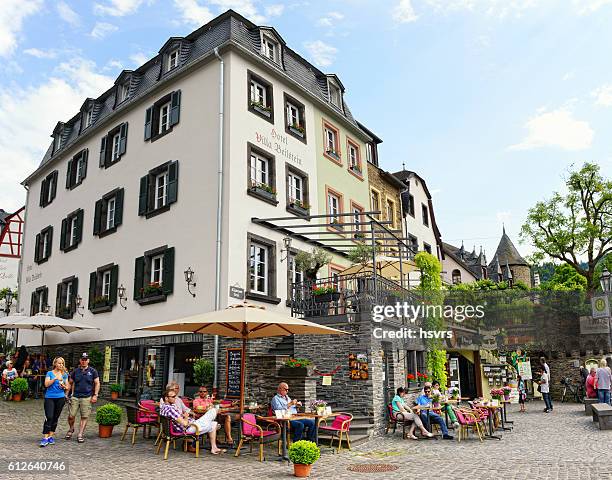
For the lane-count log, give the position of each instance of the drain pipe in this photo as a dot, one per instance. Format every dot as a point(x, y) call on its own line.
point(219, 219)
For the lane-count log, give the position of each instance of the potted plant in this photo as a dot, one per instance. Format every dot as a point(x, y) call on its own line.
point(497, 393)
point(453, 392)
point(318, 406)
point(325, 293)
point(18, 387)
point(264, 190)
point(107, 416)
point(311, 262)
point(100, 301)
point(300, 207)
point(296, 367)
point(409, 379)
point(153, 289)
point(507, 391)
point(303, 454)
point(261, 108)
point(115, 390)
point(203, 372)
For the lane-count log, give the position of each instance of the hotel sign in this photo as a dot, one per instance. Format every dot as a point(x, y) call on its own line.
point(279, 144)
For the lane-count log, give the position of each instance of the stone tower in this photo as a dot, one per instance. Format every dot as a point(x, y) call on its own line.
point(508, 263)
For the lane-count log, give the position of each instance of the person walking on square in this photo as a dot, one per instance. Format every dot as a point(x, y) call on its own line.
point(545, 390)
point(84, 388)
point(604, 382)
point(546, 370)
point(56, 384)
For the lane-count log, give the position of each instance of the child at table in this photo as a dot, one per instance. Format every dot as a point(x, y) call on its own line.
point(445, 407)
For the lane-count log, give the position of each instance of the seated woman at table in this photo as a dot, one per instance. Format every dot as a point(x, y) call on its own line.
point(206, 423)
point(203, 402)
point(282, 401)
point(435, 390)
point(427, 416)
point(400, 407)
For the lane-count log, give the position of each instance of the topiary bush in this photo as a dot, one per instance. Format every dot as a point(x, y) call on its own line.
point(203, 372)
point(19, 385)
point(115, 387)
point(109, 414)
point(304, 452)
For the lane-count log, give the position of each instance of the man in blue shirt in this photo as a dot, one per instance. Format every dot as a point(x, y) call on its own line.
point(281, 401)
point(424, 400)
point(84, 385)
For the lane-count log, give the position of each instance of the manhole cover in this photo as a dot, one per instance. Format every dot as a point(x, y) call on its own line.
point(373, 468)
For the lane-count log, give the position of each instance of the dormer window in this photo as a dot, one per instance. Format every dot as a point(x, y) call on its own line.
point(335, 95)
point(88, 117)
point(57, 142)
point(269, 48)
point(124, 91)
point(173, 58)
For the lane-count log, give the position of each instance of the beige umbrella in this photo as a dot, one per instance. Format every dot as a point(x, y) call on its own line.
point(243, 321)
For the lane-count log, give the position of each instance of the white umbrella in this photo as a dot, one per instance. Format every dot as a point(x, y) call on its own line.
point(246, 322)
point(44, 322)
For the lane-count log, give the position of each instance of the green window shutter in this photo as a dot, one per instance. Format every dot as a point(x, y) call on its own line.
point(58, 298)
point(75, 291)
point(97, 217)
point(83, 161)
point(43, 188)
point(175, 107)
point(93, 277)
point(103, 151)
point(45, 295)
point(168, 273)
point(148, 122)
point(54, 185)
point(123, 138)
point(37, 248)
point(80, 216)
point(139, 277)
point(172, 182)
point(69, 177)
point(143, 198)
point(119, 207)
point(32, 302)
point(63, 234)
point(114, 284)
point(49, 243)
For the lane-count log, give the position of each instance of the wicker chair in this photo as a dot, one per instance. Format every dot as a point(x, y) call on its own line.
point(251, 432)
point(138, 418)
point(170, 434)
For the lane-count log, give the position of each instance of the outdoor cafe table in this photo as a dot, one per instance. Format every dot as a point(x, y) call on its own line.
point(428, 408)
point(492, 410)
point(505, 415)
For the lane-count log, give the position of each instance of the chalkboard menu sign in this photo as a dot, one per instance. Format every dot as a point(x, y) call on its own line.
point(234, 365)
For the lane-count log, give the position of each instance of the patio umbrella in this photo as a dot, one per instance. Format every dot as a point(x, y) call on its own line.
point(44, 322)
point(386, 267)
point(244, 321)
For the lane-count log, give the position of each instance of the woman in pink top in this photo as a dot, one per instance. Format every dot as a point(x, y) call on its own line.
point(591, 384)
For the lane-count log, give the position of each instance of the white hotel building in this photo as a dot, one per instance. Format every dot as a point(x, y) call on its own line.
point(126, 195)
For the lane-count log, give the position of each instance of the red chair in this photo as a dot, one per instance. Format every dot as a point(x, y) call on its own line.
point(138, 418)
point(251, 432)
point(393, 419)
point(341, 425)
point(169, 433)
point(466, 421)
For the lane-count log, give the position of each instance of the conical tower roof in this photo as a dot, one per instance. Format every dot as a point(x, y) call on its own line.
point(507, 253)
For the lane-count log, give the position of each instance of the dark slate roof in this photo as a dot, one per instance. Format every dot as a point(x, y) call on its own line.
point(507, 252)
point(469, 260)
point(229, 28)
point(3, 215)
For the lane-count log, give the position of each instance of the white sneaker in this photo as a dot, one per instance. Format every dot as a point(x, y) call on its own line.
point(456, 425)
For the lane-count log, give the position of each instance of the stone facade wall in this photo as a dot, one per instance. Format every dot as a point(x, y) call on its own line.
point(387, 190)
point(521, 273)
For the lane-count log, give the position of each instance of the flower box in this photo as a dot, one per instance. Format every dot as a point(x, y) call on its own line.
point(333, 154)
point(291, 372)
point(263, 192)
point(299, 208)
point(327, 297)
point(356, 169)
point(263, 110)
point(149, 299)
point(296, 131)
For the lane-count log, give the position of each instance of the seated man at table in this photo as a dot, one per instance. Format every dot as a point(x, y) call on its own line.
point(400, 407)
point(282, 401)
point(178, 402)
point(206, 423)
point(427, 416)
point(203, 402)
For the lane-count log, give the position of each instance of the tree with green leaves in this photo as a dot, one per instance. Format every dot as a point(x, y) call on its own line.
point(565, 278)
point(574, 227)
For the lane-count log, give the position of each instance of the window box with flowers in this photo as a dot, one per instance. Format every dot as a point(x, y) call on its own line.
point(101, 304)
point(263, 190)
point(334, 154)
point(299, 207)
point(297, 129)
point(262, 109)
point(421, 378)
point(325, 293)
point(296, 367)
point(151, 293)
point(356, 169)
point(409, 379)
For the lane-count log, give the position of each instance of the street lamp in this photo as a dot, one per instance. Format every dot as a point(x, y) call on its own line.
point(606, 281)
point(8, 301)
point(189, 279)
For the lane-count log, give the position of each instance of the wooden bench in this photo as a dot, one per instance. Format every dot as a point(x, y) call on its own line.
point(602, 413)
point(587, 405)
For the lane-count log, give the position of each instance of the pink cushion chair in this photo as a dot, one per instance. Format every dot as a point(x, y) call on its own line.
point(252, 432)
point(340, 426)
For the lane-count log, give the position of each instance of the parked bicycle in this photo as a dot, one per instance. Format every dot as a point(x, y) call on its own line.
point(570, 390)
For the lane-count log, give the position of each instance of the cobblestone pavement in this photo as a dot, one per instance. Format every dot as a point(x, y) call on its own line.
point(562, 445)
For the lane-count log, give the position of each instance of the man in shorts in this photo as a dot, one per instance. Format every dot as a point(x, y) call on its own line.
point(84, 388)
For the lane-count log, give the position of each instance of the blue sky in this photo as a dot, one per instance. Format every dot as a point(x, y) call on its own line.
point(490, 101)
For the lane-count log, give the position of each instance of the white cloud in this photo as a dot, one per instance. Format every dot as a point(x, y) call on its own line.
point(322, 54)
point(140, 58)
point(102, 29)
point(28, 115)
point(590, 6)
point(118, 8)
point(556, 128)
point(491, 8)
point(113, 65)
point(275, 10)
point(404, 12)
point(35, 52)
point(12, 14)
point(197, 12)
point(603, 95)
point(193, 13)
point(331, 19)
point(67, 14)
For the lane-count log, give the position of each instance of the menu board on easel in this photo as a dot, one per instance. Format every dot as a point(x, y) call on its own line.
point(233, 387)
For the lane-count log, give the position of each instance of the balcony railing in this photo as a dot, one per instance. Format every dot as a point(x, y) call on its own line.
point(344, 294)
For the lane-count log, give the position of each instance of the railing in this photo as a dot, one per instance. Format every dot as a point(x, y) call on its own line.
point(344, 294)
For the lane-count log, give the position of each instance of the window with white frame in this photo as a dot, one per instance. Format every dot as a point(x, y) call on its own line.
point(157, 268)
point(260, 100)
point(296, 187)
point(353, 157)
point(115, 147)
point(110, 213)
point(46, 241)
point(68, 299)
point(71, 231)
point(258, 93)
point(331, 141)
point(258, 268)
point(269, 48)
point(357, 219)
point(106, 283)
point(335, 94)
point(259, 170)
point(74, 231)
point(48, 189)
point(80, 170)
point(164, 118)
point(161, 189)
point(293, 115)
point(333, 207)
point(88, 117)
point(124, 91)
point(173, 58)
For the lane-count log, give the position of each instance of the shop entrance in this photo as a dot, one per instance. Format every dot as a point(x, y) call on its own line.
point(467, 375)
point(130, 370)
point(185, 355)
